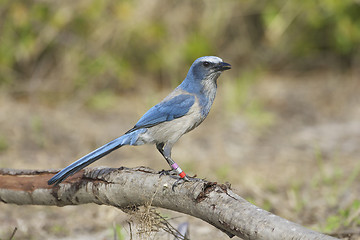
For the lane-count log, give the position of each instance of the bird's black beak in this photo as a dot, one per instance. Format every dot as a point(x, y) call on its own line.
point(223, 66)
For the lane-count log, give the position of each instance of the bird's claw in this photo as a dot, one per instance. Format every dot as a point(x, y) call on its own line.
point(167, 173)
point(173, 174)
point(179, 182)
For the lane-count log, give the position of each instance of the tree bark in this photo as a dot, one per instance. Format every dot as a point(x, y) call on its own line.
point(123, 188)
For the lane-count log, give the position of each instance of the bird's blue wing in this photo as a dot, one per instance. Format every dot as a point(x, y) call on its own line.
point(166, 111)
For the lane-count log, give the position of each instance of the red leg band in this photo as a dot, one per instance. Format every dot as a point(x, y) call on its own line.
point(182, 174)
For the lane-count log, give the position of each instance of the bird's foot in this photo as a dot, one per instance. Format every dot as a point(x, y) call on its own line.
point(186, 178)
point(180, 181)
point(170, 173)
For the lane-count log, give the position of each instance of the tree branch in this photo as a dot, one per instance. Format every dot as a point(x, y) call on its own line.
point(123, 188)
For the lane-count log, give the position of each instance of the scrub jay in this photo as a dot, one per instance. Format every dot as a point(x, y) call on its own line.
point(180, 112)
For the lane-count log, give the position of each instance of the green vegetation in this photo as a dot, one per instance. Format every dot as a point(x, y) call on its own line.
point(118, 232)
point(95, 45)
point(37, 131)
point(102, 100)
point(3, 143)
point(344, 218)
point(240, 98)
point(222, 172)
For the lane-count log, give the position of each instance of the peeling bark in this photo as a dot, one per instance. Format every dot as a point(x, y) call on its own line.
point(127, 188)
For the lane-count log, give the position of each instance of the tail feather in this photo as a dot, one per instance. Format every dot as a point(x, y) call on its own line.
point(90, 158)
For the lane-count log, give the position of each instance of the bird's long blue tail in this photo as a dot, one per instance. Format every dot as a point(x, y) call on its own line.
point(127, 139)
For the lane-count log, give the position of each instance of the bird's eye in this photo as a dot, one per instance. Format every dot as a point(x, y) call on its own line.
point(206, 64)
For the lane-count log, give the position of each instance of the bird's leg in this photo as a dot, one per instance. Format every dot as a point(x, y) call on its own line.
point(166, 152)
point(160, 147)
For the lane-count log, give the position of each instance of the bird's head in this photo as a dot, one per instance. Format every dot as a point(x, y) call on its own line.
point(208, 67)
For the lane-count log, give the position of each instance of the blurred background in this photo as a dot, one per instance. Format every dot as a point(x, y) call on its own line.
point(284, 129)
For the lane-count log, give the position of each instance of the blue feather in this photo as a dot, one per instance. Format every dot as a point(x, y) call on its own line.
point(166, 111)
point(127, 139)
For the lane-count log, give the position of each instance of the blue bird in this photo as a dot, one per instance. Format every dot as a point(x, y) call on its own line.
point(180, 112)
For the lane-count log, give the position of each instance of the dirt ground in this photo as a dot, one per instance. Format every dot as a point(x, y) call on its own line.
point(295, 153)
